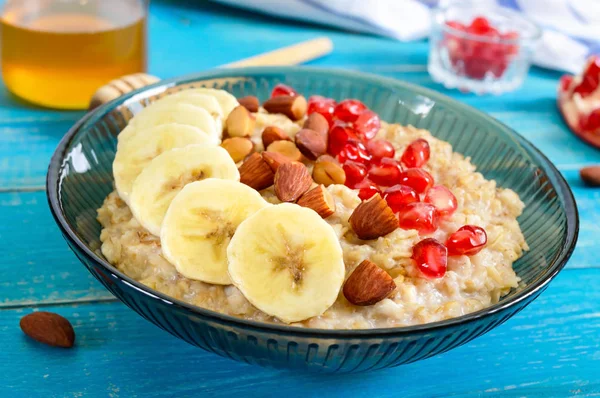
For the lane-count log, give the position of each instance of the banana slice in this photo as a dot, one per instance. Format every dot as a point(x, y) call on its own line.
point(159, 182)
point(135, 154)
point(225, 99)
point(287, 261)
point(205, 101)
point(160, 113)
point(199, 224)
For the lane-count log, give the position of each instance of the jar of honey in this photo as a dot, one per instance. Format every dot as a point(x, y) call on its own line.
point(56, 53)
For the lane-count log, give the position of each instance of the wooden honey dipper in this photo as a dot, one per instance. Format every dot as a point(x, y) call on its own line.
point(291, 55)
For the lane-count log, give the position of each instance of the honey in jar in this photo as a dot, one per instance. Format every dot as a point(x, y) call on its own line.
point(56, 53)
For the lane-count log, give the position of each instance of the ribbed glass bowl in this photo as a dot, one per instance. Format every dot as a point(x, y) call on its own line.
point(80, 177)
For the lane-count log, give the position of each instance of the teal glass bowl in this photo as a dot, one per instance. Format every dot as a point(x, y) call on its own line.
point(80, 177)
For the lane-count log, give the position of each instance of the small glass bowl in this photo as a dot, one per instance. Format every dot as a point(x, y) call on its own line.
point(478, 62)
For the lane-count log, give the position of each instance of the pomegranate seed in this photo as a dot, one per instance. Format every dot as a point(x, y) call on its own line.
point(354, 151)
point(417, 179)
point(399, 196)
point(283, 89)
point(367, 125)
point(456, 25)
point(339, 134)
point(322, 105)
point(565, 82)
point(386, 173)
point(349, 110)
point(416, 154)
point(481, 26)
point(591, 78)
point(510, 49)
point(380, 149)
point(590, 122)
point(431, 258)
point(366, 189)
point(355, 173)
point(443, 200)
point(420, 216)
point(467, 240)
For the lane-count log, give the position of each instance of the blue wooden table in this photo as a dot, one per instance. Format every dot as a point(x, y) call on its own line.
point(550, 349)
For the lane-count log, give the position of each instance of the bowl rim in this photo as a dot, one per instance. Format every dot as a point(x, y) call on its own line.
point(53, 183)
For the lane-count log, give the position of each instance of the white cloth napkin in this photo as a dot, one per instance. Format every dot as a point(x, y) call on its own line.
point(571, 27)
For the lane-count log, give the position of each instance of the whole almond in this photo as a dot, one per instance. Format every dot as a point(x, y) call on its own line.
point(368, 284)
point(271, 134)
point(291, 181)
point(249, 102)
point(320, 200)
point(328, 172)
point(240, 122)
point(317, 122)
point(275, 159)
point(48, 328)
point(238, 147)
point(311, 143)
point(590, 175)
point(256, 173)
point(373, 218)
point(293, 107)
point(287, 149)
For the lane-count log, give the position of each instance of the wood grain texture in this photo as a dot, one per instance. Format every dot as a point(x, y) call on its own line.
point(550, 349)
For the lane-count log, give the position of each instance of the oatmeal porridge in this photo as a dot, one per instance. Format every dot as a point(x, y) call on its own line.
point(383, 226)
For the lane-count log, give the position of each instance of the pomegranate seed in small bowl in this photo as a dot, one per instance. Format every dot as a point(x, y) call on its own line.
point(467, 240)
point(431, 258)
point(283, 89)
point(483, 49)
point(420, 216)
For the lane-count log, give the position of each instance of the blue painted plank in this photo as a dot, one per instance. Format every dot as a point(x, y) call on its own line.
point(551, 349)
point(37, 265)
